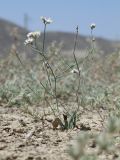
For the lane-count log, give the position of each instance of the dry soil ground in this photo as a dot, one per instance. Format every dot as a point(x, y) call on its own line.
point(23, 138)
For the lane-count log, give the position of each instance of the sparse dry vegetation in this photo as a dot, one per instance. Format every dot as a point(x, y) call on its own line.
point(58, 107)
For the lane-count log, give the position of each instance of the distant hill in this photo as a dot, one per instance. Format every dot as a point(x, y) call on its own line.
point(7, 38)
point(8, 32)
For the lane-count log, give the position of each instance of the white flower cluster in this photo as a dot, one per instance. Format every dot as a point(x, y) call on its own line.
point(46, 20)
point(76, 71)
point(29, 41)
point(31, 37)
point(92, 26)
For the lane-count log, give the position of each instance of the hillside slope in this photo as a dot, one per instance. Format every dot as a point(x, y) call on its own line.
point(8, 29)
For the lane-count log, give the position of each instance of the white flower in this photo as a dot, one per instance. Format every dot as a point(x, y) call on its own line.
point(29, 34)
point(29, 41)
point(46, 20)
point(37, 34)
point(75, 71)
point(92, 26)
point(33, 35)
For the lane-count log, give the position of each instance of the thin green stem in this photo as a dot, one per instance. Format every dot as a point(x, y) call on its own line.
point(44, 36)
point(55, 78)
point(92, 40)
point(77, 65)
point(55, 83)
point(43, 51)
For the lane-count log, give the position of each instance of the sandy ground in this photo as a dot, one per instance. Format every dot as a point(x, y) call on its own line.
point(23, 138)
